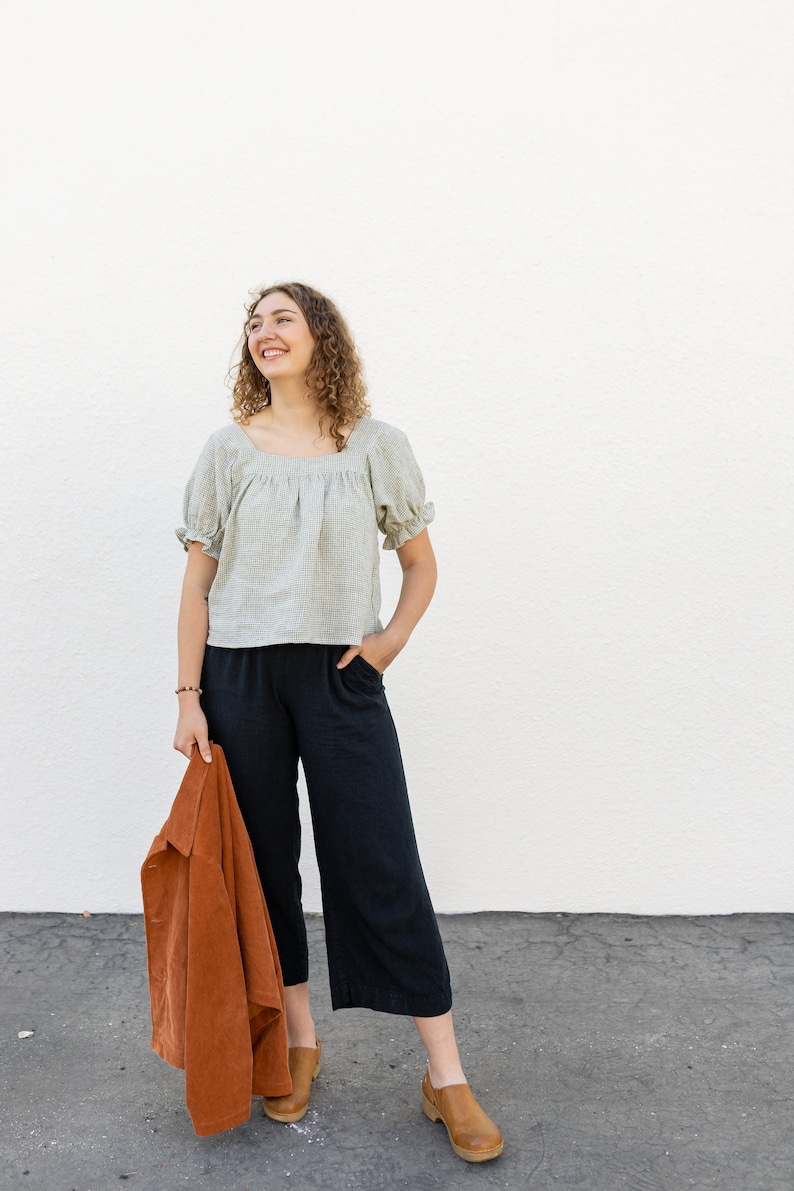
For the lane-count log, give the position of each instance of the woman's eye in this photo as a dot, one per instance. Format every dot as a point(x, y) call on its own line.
point(283, 319)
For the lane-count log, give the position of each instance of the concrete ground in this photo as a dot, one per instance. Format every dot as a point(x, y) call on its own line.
point(614, 1051)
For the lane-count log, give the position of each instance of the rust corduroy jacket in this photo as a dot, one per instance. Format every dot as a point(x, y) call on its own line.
point(214, 975)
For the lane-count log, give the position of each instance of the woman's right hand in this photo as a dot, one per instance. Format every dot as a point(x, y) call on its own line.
point(191, 730)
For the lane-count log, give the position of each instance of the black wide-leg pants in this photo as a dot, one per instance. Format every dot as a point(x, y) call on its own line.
point(269, 706)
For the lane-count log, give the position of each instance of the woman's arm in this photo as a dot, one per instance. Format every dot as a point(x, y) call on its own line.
point(192, 632)
point(418, 563)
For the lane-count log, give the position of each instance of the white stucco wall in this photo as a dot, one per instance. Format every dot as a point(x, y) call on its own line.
point(562, 235)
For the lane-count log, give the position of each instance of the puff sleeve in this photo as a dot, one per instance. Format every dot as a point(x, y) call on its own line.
point(399, 490)
point(207, 500)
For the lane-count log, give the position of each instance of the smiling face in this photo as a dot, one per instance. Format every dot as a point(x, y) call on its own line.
point(279, 339)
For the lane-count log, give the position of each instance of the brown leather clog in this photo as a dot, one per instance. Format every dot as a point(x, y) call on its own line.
point(472, 1134)
point(304, 1067)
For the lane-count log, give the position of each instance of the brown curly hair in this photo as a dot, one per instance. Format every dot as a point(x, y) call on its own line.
point(334, 374)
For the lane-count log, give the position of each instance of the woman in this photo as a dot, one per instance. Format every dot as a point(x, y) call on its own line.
point(281, 656)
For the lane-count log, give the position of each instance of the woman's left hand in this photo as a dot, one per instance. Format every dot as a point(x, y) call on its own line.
point(379, 649)
point(419, 578)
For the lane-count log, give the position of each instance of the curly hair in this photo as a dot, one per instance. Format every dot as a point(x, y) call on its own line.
point(334, 374)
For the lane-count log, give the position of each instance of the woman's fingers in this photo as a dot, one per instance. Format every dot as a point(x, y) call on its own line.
point(377, 649)
point(187, 749)
point(192, 731)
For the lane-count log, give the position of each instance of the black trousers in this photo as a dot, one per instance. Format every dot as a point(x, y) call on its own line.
point(267, 707)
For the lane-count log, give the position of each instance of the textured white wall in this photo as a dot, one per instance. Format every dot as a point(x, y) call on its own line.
point(562, 235)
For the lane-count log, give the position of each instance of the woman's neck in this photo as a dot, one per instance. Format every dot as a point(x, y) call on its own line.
point(290, 427)
point(291, 409)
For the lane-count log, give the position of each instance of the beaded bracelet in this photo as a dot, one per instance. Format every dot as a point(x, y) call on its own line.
point(180, 689)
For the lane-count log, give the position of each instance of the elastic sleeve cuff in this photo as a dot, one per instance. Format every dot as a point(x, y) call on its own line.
point(210, 546)
point(400, 534)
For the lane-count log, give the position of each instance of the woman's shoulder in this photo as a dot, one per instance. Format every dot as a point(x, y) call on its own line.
point(372, 433)
point(226, 440)
point(228, 435)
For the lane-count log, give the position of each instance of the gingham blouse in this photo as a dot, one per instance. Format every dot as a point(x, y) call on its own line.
point(296, 538)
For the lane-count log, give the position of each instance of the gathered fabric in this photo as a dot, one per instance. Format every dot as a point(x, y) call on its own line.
point(296, 537)
point(215, 983)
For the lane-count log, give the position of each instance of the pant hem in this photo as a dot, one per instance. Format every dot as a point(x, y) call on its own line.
point(289, 979)
point(383, 1000)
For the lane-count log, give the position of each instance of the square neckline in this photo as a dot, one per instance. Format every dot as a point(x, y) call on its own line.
point(279, 455)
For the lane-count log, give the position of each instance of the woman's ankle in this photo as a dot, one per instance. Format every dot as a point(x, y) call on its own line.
point(443, 1060)
point(301, 1033)
point(304, 1041)
point(300, 1023)
point(441, 1076)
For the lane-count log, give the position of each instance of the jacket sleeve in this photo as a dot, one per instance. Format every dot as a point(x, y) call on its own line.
point(218, 1059)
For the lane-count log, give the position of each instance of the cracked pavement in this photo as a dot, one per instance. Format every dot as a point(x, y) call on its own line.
point(615, 1051)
